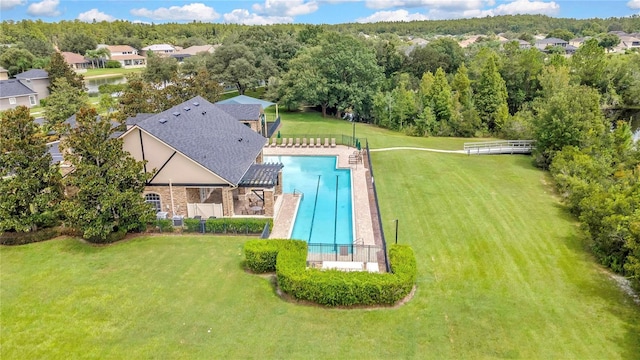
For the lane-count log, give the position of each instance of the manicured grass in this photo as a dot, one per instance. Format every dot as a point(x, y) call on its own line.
point(502, 273)
point(106, 72)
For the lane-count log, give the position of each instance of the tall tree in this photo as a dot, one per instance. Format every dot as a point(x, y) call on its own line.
point(235, 64)
point(441, 100)
point(588, 64)
point(106, 201)
point(77, 42)
point(16, 60)
point(160, 69)
point(64, 101)
point(29, 183)
point(462, 86)
point(491, 97)
point(58, 68)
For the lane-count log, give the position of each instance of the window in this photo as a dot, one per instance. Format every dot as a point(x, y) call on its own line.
point(154, 200)
point(12, 101)
point(32, 100)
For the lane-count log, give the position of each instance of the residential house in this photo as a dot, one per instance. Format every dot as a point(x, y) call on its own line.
point(577, 42)
point(628, 42)
point(76, 61)
point(4, 73)
point(204, 161)
point(251, 113)
point(14, 93)
point(194, 50)
point(545, 44)
point(37, 80)
point(524, 44)
point(127, 56)
point(159, 49)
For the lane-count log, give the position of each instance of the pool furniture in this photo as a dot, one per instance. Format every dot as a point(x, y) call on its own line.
point(326, 142)
point(311, 143)
point(290, 144)
point(304, 142)
point(297, 142)
point(333, 142)
point(318, 143)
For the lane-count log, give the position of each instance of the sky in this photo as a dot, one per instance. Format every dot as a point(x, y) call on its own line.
point(260, 12)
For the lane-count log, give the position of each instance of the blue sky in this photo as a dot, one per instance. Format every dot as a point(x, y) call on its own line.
point(303, 11)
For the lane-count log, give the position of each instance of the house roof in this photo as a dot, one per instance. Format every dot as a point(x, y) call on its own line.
point(121, 48)
point(73, 58)
point(265, 175)
point(127, 57)
point(3, 70)
point(242, 111)
point(158, 47)
point(132, 120)
point(13, 88)
point(193, 50)
point(244, 99)
point(54, 149)
point(33, 74)
point(208, 135)
point(551, 41)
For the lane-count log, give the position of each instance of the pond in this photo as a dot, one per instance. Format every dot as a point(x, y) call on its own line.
point(93, 84)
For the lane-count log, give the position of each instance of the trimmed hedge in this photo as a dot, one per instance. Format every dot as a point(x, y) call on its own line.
point(165, 225)
point(228, 225)
point(332, 287)
point(22, 238)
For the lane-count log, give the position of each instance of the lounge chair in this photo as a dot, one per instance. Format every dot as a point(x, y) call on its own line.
point(318, 143)
point(290, 144)
point(304, 142)
point(297, 142)
point(274, 142)
point(333, 142)
point(311, 143)
point(326, 142)
point(283, 143)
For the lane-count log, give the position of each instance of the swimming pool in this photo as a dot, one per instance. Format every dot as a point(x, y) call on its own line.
point(323, 217)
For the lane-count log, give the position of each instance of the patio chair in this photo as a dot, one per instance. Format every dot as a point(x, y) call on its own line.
point(283, 143)
point(304, 142)
point(318, 143)
point(290, 144)
point(274, 142)
point(311, 143)
point(333, 142)
point(297, 142)
point(326, 142)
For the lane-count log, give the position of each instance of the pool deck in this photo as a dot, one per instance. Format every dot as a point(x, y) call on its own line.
point(287, 206)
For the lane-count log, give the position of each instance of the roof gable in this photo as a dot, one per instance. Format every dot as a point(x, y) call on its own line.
point(33, 74)
point(207, 135)
point(13, 88)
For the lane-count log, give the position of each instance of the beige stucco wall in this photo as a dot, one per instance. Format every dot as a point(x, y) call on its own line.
point(39, 86)
point(179, 170)
point(20, 101)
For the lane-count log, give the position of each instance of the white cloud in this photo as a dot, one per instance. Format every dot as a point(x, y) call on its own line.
point(432, 4)
point(47, 8)
point(527, 7)
point(634, 4)
point(194, 11)
point(397, 15)
point(286, 7)
point(242, 16)
point(10, 4)
point(95, 14)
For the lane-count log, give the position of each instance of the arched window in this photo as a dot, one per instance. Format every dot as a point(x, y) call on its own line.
point(154, 200)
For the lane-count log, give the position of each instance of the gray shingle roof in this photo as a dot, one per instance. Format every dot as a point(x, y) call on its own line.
point(33, 74)
point(244, 99)
point(209, 136)
point(241, 112)
point(13, 88)
point(132, 120)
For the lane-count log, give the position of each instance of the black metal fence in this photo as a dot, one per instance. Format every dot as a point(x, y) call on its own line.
point(375, 196)
point(341, 139)
point(272, 127)
point(343, 252)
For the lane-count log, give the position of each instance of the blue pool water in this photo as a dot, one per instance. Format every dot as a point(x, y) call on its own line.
point(301, 173)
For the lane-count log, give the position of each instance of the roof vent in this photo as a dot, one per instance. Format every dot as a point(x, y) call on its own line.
point(176, 114)
point(204, 112)
point(186, 108)
point(196, 104)
point(240, 140)
point(162, 121)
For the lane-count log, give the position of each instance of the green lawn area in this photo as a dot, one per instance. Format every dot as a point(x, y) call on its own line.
point(107, 72)
point(503, 272)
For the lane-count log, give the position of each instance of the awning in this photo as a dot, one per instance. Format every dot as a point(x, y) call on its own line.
point(261, 175)
point(246, 100)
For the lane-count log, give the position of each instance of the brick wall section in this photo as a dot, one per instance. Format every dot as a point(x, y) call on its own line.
point(227, 202)
point(279, 184)
point(269, 202)
point(179, 198)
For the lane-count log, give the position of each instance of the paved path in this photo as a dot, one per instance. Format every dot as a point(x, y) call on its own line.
point(419, 149)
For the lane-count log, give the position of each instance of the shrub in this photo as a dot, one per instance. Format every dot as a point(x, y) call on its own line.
point(332, 288)
point(192, 225)
point(165, 225)
point(21, 238)
point(239, 225)
point(113, 64)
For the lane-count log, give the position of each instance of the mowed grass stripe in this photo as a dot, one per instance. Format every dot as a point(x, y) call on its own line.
point(505, 254)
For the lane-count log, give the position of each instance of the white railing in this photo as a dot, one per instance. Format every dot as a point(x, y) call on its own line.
point(500, 147)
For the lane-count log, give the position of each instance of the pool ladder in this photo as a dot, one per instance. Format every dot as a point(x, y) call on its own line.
point(297, 192)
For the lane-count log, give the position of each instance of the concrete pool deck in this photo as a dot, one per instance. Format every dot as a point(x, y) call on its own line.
point(287, 205)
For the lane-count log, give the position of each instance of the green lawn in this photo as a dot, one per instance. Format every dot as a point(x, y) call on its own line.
point(503, 273)
point(106, 72)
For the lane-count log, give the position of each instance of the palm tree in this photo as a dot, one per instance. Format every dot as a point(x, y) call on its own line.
point(92, 55)
point(103, 53)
